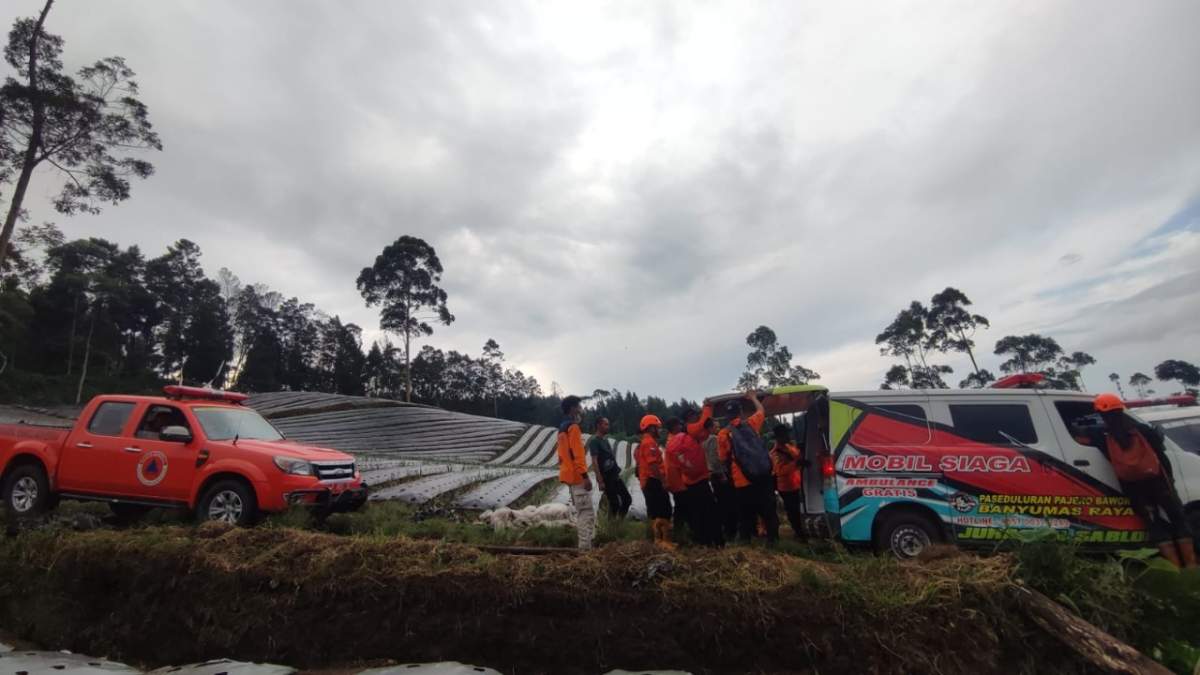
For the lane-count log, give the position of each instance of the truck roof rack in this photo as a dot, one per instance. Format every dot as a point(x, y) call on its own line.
point(180, 392)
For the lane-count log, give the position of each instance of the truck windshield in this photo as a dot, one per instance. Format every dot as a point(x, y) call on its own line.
point(224, 424)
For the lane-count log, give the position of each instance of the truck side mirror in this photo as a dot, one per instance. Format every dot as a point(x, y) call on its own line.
point(175, 434)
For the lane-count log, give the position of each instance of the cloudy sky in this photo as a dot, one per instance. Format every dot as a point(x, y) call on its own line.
point(620, 192)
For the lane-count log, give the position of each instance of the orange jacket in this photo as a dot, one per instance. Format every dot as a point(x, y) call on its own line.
point(785, 465)
point(649, 460)
point(725, 447)
point(572, 458)
point(685, 453)
point(672, 465)
point(696, 429)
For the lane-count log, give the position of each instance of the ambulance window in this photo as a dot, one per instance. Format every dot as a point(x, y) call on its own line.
point(913, 411)
point(1185, 433)
point(1075, 413)
point(994, 423)
point(912, 427)
point(110, 418)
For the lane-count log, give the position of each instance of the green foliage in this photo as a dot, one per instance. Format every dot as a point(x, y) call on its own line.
point(81, 127)
point(1035, 353)
point(769, 364)
point(952, 327)
point(1187, 374)
point(1135, 596)
point(404, 283)
point(908, 336)
point(1139, 381)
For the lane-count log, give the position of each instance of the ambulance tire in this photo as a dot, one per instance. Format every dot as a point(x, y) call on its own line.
point(905, 534)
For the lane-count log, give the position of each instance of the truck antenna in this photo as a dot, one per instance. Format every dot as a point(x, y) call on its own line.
point(214, 379)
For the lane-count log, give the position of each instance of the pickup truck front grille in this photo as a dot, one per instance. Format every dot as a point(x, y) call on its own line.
point(334, 470)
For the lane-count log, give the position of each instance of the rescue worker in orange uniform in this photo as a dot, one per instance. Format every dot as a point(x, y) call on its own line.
point(573, 470)
point(785, 464)
point(673, 473)
point(651, 475)
point(755, 500)
point(685, 454)
point(1138, 456)
point(702, 426)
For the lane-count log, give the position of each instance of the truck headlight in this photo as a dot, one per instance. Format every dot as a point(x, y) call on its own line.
point(296, 467)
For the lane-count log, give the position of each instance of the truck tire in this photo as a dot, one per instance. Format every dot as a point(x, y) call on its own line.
point(26, 491)
point(231, 501)
point(905, 534)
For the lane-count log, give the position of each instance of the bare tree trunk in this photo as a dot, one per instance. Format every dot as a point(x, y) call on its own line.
point(71, 340)
point(87, 352)
point(969, 354)
point(407, 366)
point(30, 161)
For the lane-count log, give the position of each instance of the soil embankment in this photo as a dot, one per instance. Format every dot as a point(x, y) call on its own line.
point(171, 595)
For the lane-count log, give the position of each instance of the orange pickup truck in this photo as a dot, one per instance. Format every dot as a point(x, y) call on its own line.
point(195, 449)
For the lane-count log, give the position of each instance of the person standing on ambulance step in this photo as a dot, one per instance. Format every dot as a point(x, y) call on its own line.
point(786, 462)
point(651, 476)
point(1138, 457)
point(741, 448)
point(608, 474)
point(573, 471)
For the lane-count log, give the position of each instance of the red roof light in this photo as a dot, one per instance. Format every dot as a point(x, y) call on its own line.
point(1019, 381)
point(1185, 400)
point(181, 392)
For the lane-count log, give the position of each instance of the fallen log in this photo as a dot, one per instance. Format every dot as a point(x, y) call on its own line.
point(527, 550)
point(1097, 647)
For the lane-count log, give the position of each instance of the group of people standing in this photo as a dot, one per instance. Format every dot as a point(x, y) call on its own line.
point(719, 484)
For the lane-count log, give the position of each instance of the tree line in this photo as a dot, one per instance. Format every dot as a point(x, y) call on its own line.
point(86, 316)
point(920, 332)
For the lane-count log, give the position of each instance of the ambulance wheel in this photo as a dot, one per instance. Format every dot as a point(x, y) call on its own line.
point(905, 534)
point(26, 491)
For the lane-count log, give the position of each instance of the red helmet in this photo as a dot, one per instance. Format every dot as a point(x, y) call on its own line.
point(1108, 403)
point(649, 421)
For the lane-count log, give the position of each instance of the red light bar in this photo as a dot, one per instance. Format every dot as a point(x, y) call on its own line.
point(1184, 400)
point(181, 392)
point(1019, 381)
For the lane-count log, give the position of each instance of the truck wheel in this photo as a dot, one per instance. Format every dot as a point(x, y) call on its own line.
point(905, 535)
point(229, 501)
point(27, 491)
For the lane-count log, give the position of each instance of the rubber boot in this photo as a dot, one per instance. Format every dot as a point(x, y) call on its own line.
point(1187, 553)
point(1168, 551)
point(663, 531)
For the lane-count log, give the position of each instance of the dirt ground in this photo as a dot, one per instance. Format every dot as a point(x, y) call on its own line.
point(155, 596)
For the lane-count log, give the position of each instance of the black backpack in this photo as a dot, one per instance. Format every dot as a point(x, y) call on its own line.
point(750, 452)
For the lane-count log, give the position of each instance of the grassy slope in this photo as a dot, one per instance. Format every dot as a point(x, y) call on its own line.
point(174, 594)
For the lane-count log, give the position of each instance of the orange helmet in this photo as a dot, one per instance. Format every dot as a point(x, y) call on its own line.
point(649, 421)
point(1108, 403)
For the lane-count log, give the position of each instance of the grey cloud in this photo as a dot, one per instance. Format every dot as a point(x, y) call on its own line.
point(794, 164)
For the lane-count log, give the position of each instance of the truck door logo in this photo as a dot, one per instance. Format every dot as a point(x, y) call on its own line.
point(152, 468)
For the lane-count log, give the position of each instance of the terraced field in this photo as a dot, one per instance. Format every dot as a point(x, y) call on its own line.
point(419, 453)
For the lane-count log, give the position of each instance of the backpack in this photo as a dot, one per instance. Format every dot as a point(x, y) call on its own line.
point(750, 453)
